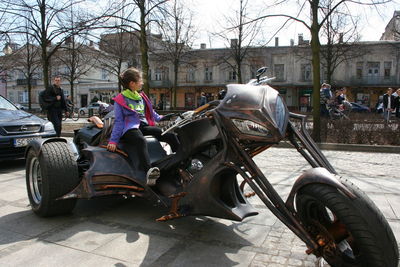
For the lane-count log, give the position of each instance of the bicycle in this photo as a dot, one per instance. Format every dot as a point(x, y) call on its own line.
point(71, 115)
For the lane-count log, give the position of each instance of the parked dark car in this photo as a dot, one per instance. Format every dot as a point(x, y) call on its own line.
point(18, 128)
point(355, 107)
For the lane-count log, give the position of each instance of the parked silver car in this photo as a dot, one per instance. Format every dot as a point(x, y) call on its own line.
point(85, 110)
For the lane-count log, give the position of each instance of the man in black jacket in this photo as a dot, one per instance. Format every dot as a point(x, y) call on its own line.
point(54, 96)
point(388, 104)
point(397, 103)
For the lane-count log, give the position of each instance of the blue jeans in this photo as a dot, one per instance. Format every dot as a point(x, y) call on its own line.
point(386, 114)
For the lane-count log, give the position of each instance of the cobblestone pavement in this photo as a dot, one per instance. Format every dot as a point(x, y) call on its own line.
point(117, 232)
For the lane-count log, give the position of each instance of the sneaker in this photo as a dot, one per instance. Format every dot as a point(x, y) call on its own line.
point(152, 175)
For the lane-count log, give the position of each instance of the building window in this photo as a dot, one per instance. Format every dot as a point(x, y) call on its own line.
point(149, 76)
point(387, 69)
point(21, 75)
point(305, 72)
point(158, 75)
point(56, 71)
point(359, 70)
point(37, 75)
point(279, 71)
point(208, 74)
point(232, 75)
point(253, 72)
point(190, 75)
point(161, 74)
point(11, 95)
point(373, 68)
point(22, 97)
point(104, 74)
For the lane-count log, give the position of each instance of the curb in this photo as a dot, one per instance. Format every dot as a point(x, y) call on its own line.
point(350, 147)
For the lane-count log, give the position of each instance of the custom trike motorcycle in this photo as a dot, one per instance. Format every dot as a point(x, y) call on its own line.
point(218, 141)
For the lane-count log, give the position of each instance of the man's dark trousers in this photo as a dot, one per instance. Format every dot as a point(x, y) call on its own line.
point(55, 115)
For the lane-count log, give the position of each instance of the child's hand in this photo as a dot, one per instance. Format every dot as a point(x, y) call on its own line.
point(111, 147)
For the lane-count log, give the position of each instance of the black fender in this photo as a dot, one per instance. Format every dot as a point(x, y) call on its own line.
point(37, 145)
point(316, 176)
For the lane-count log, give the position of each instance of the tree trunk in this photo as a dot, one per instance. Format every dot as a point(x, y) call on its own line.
point(45, 65)
point(44, 44)
point(176, 69)
point(316, 47)
point(239, 73)
point(29, 80)
point(71, 86)
point(144, 48)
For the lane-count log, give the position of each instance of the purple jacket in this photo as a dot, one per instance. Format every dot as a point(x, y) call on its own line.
point(126, 118)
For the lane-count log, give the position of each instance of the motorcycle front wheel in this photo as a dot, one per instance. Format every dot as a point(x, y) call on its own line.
point(350, 232)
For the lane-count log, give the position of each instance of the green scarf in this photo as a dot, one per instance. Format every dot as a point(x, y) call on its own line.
point(131, 95)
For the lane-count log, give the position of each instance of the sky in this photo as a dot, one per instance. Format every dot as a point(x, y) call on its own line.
point(209, 12)
point(210, 16)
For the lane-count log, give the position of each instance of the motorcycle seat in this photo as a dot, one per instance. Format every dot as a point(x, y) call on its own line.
point(156, 152)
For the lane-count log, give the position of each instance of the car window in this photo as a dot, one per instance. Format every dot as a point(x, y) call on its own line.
point(5, 104)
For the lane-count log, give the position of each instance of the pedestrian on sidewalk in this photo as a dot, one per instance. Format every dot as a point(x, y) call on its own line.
point(388, 104)
point(54, 96)
point(325, 99)
point(397, 103)
point(203, 99)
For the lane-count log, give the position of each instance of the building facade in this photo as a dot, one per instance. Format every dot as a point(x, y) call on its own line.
point(366, 75)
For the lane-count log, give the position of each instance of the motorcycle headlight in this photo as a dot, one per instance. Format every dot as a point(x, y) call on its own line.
point(250, 127)
point(280, 113)
point(48, 127)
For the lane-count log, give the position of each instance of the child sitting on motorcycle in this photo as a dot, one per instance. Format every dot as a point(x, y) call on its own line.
point(134, 118)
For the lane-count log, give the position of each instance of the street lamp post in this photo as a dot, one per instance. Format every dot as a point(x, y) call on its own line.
point(7, 50)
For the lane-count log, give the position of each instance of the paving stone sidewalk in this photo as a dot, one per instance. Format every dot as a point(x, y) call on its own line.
point(118, 232)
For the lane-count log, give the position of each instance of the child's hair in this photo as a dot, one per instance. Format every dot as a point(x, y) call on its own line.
point(129, 75)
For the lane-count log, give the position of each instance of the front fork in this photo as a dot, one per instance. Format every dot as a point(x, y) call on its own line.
point(302, 141)
point(265, 191)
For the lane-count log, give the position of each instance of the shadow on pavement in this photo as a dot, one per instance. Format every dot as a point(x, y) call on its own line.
point(126, 230)
point(11, 165)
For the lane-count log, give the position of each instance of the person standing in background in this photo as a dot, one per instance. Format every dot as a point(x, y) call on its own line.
point(54, 95)
point(388, 104)
point(397, 103)
point(203, 99)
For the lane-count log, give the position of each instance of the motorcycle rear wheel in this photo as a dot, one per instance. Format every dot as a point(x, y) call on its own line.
point(354, 232)
point(50, 174)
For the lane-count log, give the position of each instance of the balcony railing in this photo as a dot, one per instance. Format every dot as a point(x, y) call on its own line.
point(162, 83)
point(373, 80)
point(25, 81)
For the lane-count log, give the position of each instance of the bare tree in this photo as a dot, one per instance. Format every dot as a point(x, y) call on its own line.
point(24, 60)
point(318, 18)
point(117, 47)
point(240, 35)
point(27, 60)
point(120, 43)
point(46, 21)
point(341, 34)
point(147, 14)
point(178, 35)
point(137, 18)
point(75, 55)
point(77, 58)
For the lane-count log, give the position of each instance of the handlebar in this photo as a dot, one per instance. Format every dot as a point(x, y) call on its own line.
point(188, 115)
